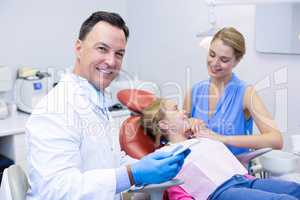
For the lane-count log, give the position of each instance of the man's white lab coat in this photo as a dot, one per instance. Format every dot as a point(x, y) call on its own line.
point(72, 146)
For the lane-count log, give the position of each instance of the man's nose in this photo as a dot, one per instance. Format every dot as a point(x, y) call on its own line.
point(111, 59)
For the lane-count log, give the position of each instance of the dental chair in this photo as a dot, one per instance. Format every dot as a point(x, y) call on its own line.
point(14, 184)
point(136, 143)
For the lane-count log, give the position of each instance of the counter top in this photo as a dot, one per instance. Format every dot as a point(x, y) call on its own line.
point(120, 113)
point(16, 124)
point(13, 124)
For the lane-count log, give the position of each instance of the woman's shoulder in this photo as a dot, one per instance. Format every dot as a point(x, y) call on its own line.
point(200, 88)
point(200, 84)
point(249, 91)
point(238, 81)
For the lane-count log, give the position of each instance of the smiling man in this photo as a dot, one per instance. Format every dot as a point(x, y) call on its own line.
point(100, 53)
point(73, 146)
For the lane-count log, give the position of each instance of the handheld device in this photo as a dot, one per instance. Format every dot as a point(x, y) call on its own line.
point(179, 148)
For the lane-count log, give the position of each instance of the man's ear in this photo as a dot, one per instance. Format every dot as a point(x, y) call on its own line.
point(163, 124)
point(78, 48)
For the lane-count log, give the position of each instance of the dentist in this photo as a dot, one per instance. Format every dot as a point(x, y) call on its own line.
point(73, 148)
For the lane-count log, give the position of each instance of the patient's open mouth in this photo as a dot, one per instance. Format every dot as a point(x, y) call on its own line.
point(189, 134)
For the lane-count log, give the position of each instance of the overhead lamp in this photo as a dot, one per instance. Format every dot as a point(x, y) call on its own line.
point(205, 42)
point(206, 36)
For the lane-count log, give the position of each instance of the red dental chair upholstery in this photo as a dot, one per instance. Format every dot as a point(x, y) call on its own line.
point(133, 139)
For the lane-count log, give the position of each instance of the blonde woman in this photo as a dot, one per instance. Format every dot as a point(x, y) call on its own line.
point(226, 104)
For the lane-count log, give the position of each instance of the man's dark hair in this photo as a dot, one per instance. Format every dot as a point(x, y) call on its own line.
point(113, 19)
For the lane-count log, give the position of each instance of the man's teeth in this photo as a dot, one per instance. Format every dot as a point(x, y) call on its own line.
point(105, 71)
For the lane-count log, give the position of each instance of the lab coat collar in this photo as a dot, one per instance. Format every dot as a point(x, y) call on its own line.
point(96, 96)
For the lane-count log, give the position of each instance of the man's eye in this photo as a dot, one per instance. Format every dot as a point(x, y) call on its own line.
point(120, 55)
point(102, 49)
point(211, 54)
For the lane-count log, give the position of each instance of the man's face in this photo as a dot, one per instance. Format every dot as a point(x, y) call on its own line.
point(100, 54)
point(177, 119)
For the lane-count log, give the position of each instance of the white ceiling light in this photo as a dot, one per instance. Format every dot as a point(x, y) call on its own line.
point(212, 20)
point(207, 35)
point(205, 42)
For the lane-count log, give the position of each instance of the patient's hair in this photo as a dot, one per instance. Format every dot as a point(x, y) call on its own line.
point(233, 38)
point(151, 117)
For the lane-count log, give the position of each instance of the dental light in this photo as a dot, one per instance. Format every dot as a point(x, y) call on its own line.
point(206, 36)
point(212, 20)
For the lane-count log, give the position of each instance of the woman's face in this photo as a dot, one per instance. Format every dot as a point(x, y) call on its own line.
point(221, 60)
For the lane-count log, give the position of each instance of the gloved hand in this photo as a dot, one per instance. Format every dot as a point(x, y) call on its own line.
point(158, 167)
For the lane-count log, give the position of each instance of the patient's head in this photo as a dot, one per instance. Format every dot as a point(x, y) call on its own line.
point(163, 118)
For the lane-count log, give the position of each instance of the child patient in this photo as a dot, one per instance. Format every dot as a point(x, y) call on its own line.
point(211, 171)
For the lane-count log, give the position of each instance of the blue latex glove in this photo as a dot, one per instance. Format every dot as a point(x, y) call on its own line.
point(158, 167)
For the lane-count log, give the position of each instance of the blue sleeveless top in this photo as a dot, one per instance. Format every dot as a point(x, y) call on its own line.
point(229, 117)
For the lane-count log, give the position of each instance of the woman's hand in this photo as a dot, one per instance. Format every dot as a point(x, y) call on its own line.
point(199, 129)
point(196, 125)
point(207, 133)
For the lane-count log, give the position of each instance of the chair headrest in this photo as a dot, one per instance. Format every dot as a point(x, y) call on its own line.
point(133, 140)
point(136, 100)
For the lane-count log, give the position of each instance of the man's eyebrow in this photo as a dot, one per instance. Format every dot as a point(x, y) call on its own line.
point(103, 44)
point(107, 46)
point(121, 50)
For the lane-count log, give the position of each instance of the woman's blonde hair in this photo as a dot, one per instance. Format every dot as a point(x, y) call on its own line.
point(151, 117)
point(233, 38)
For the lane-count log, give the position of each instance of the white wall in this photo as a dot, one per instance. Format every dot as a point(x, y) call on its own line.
point(163, 45)
point(42, 33)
